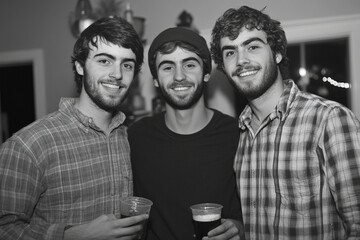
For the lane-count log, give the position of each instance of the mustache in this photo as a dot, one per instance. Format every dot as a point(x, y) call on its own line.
point(180, 84)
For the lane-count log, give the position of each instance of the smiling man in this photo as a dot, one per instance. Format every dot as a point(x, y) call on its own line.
point(184, 155)
point(62, 177)
point(298, 159)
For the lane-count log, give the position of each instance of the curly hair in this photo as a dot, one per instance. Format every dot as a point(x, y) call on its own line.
point(114, 30)
point(233, 20)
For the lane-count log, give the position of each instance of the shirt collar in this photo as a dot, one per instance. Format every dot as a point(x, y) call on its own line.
point(281, 110)
point(67, 106)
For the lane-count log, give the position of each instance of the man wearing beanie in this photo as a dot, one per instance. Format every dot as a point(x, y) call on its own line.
point(184, 155)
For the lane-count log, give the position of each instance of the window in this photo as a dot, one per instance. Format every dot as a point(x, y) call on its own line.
point(322, 68)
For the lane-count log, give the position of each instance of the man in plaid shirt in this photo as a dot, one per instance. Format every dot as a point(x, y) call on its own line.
point(62, 177)
point(298, 159)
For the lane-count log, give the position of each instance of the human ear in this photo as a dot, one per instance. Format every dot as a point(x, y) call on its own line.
point(79, 68)
point(206, 77)
point(156, 83)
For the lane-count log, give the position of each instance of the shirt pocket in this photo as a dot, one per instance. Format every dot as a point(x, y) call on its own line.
point(300, 195)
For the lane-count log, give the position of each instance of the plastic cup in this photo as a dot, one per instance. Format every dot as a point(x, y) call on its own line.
point(133, 206)
point(206, 216)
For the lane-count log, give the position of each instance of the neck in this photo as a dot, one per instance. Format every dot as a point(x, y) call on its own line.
point(190, 120)
point(266, 103)
point(102, 118)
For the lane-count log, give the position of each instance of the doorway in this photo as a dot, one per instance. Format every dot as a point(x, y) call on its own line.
point(22, 89)
point(17, 103)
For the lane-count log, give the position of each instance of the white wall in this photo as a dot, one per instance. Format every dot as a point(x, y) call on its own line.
point(43, 24)
point(161, 14)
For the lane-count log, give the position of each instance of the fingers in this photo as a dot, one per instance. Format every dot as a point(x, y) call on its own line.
point(227, 230)
point(131, 226)
point(129, 221)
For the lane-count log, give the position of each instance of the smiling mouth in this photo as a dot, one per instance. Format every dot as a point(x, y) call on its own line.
point(113, 85)
point(180, 88)
point(246, 73)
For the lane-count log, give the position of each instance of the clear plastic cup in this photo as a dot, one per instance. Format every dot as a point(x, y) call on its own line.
point(206, 216)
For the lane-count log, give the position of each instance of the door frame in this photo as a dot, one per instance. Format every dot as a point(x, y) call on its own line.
point(36, 58)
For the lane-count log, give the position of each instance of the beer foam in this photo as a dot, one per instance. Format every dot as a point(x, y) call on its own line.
point(206, 218)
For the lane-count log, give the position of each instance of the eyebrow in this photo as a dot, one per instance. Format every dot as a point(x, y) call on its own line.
point(114, 58)
point(183, 61)
point(246, 42)
point(104, 55)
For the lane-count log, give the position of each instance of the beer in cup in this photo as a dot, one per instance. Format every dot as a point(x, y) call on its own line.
point(206, 216)
point(133, 206)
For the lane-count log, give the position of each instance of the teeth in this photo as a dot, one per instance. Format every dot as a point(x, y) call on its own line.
point(248, 73)
point(180, 88)
point(111, 85)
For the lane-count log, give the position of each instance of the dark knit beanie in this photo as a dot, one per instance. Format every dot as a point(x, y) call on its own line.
point(179, 34)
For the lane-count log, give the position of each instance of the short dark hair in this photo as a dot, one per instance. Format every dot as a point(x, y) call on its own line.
point(114, 30)
point(170, 47)
point(233, 20)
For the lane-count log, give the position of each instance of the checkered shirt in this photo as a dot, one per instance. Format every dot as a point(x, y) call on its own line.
point(299, 174)
point(61, 170)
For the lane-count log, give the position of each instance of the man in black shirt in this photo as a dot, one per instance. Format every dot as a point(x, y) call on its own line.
point(184, 156)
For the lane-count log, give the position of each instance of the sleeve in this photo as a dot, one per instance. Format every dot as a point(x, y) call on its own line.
point(342, 145)
point(20, 189)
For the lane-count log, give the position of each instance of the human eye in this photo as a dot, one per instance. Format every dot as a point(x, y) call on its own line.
point(103, 61)
point(129, 66)
point(166, 68)
point(254, 46)
point(228, 53)
point(191, 65)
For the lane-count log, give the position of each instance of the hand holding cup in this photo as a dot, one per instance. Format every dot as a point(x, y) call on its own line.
point(206, 216)
point(134, 206)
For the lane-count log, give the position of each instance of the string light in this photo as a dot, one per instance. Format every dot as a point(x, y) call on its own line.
point(335, 83)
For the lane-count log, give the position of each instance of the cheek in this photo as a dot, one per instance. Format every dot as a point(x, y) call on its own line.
point(93, 73)
point(228, 66)
point(165, 76)
point(128, 74)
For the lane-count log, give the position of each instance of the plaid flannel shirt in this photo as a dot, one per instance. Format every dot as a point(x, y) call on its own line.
point(299, 174)
point(61, 170)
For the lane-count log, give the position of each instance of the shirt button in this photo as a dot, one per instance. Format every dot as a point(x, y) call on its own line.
point(272, 115)
point(253, 204)
point(253, 172)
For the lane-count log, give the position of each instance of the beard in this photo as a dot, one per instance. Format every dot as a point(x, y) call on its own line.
point(107, 103)
point(183, 102)
point(252, 91)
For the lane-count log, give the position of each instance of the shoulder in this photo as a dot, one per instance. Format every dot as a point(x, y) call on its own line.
point(224, 119)
point(319, 106)
point(37, 136)
point(223, 126)
point(145, 124)
point(319, 112)
point(46, 131)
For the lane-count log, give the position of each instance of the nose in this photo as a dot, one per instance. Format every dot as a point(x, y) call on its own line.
point(179, 74)
point(242, 57)
point(116, 72)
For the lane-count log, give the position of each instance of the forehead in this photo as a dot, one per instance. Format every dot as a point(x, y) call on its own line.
point(243, 36)
point(104, 47)
point(178, 55)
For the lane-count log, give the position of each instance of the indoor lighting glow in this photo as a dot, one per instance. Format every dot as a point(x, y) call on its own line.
point(82, 17)
point(302, 72)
